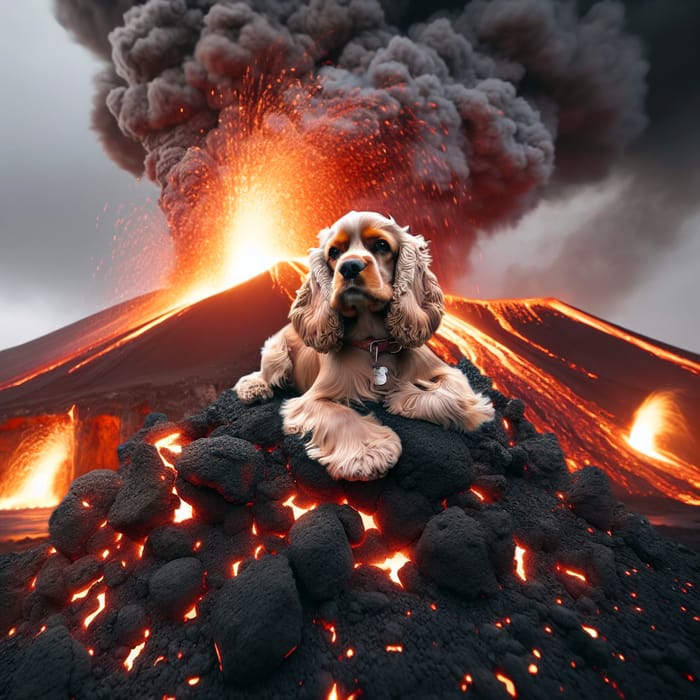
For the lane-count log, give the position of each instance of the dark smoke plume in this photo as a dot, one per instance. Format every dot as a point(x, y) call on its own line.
point(608, 256)
point(479, 109)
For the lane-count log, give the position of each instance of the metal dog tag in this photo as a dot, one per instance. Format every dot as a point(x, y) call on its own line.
point(380, 375)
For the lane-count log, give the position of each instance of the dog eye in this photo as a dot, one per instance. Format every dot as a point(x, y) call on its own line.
point(381, 246)
point(334, 253)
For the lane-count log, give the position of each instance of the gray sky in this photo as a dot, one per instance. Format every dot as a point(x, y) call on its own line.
point(70, 218)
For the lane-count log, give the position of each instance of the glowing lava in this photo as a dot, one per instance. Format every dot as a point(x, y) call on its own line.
point(171, 443)
point(491, 335)
point(41, 466)
point(658, 422)
point(520, 562)
point(136, 652)
point(100, 607)
point(392, 565)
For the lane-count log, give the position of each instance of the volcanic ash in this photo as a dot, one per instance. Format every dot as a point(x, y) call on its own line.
point(220, 560)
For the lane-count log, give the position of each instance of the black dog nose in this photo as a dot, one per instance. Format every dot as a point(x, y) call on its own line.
point(352, 268)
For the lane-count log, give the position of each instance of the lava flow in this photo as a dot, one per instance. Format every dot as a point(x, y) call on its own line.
point(573, 391)
point(581, 378)
point(40, 468)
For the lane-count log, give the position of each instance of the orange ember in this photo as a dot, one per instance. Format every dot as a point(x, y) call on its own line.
point(79, 595)
point(508, 683)
point(136, 652)
point(519, 558)
point(297, 510)
point(572, 573)
point(392, 565)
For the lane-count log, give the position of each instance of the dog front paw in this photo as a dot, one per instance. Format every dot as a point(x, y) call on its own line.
point(364, 458)
point(252, 388)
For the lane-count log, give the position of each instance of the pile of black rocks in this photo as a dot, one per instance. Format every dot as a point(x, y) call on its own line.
point(478, 566)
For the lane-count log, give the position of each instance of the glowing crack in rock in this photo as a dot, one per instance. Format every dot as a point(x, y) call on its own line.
point(171, 443)
point(297, 510)
point(519, 558)
point(136, 652)
point(508, 683)
point(392, 565)
point(100, 607)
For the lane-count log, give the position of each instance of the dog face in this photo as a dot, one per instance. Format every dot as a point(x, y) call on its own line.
point(361, 253)
point(366, 262)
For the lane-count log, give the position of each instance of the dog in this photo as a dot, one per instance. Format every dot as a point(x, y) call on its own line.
point(357, 332)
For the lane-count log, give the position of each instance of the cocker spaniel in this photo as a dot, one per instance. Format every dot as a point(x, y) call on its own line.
point(358, 330)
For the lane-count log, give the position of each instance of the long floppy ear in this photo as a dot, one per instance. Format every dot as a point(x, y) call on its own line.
point(416, 308)
point(317, 324)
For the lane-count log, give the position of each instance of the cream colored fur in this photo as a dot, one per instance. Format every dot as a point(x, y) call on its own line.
point(394, 296)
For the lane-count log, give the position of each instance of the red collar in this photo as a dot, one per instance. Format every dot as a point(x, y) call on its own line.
point(375, 346)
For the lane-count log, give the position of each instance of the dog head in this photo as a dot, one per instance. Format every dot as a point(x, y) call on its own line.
point(366, 262)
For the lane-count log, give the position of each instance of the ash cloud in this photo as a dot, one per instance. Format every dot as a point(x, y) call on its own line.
point(604, 260)
point(481, 110)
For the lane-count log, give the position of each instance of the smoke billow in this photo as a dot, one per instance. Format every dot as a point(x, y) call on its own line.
point(457, 122)
point(604, 258)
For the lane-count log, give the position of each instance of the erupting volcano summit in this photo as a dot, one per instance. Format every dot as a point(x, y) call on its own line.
point(195, 550)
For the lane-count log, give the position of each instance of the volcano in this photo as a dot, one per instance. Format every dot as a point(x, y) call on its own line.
point(582, 379)
point(217, 559)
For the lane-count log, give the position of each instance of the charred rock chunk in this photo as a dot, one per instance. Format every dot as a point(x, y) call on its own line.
point(311, 476)
point(256, 620)
point(175, 587)
point(53, 667)
point(402, 515)
point(82, 510)
point(453, 552)
point(320, 553)
point(129, 625)
point(433, 460)
point(229, 465)
point(591, 498)
point(170, 542)
point(546, 459)
point(145, 499)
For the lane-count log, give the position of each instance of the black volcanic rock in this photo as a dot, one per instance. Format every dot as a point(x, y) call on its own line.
point(175, 586)
point(170, 542)
point(50, 582)
point(145, 499)
point(82, 510)
point(256, 620)
point(401, 515)
point(311, 476)
point(210, 504)
point(545, 459)
point(453, 551)
point(130, 622)
point(320, 553)
point(429, 463)
point(488, 570)
point(229, 465)
point(262, 427)
point(53, 667)
point(591, 498)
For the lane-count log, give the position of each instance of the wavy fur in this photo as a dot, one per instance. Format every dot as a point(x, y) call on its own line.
point(368, 279)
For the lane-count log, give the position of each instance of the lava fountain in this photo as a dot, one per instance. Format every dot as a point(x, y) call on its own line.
point(38, 472)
